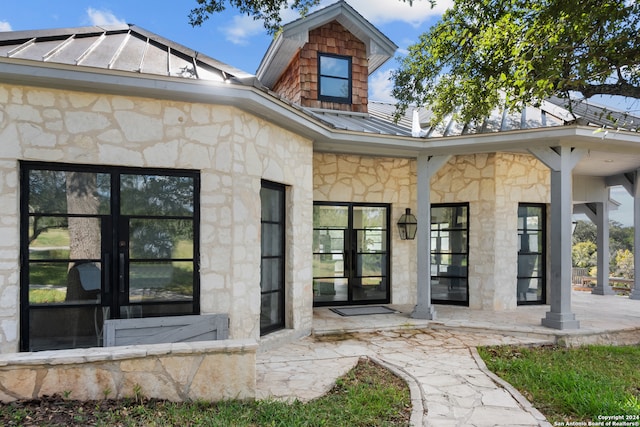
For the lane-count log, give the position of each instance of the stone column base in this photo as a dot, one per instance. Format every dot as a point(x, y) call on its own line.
point(561, 321)
point(421, 312)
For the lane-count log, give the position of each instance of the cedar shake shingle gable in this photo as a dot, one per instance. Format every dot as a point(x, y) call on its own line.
point(290, 65)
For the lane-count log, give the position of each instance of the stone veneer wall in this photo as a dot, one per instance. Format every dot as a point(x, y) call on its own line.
point(299, 82)
point(210, 371)
point(232, 149)
point(493, 185)
point(346, 178)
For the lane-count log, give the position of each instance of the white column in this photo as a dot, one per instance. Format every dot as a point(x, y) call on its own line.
point(561, 161)
point(427, 166)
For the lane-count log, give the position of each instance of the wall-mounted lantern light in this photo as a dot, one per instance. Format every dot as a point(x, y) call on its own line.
point(407, 225)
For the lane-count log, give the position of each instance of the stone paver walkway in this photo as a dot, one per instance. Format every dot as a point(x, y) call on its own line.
point(450, 385)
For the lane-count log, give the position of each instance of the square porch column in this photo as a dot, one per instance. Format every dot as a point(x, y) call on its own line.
point(427, 166)
point(561, 161)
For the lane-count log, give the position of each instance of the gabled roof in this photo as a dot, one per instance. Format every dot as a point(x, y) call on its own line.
point(295, 34)
point(118, 47)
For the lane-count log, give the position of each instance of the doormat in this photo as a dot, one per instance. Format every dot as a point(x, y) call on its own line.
point(360, 311)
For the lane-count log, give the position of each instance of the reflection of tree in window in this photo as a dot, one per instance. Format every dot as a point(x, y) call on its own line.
point(84, 233)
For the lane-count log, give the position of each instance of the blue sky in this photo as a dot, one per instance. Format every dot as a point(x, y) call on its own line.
point(239, 40)
point(228, 37)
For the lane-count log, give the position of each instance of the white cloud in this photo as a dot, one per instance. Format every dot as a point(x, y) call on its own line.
point(382, 11)
point(103, 17)
point(380, 87)
point(5, 26)
point(242, 28)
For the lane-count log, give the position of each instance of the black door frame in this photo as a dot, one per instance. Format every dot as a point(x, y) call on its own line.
point(542, 276)
point(351, 256)
point(114, 291)
point(280, 291)
point(455, 276)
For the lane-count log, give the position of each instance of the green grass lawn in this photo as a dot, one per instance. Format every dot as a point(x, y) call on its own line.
point(572, 384)
point(368, 395)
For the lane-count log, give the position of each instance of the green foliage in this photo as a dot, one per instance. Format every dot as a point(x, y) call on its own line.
point(584, 254)
point(624, 264)
point(576, 384)
point(487, 53)
point(620, 247)
point(368, 395)
point(270, 11)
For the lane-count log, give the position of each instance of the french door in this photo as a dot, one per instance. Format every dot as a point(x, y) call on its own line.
point(351, 261)
point(104, 243)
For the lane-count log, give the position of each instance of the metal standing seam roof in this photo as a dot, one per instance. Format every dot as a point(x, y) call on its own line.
point(132, 49)
point(551, 113)
point(119, 47)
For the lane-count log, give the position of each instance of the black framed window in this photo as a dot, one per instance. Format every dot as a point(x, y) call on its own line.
point(351, 254)
point(272, 276)
point(334, 78)
point(450, 253)
point(531, 253)
point(101, 243)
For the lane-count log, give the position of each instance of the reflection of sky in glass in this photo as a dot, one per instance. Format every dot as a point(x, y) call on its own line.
point(334, 87)
point(335, 67)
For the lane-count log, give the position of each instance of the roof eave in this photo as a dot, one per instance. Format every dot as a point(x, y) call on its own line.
point(326, 139)
point(295, 34)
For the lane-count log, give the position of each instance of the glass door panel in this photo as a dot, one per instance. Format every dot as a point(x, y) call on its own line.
point(272, 280)
point(84, 261)
point(449, 254)
point(531, 254)
point(351, 260)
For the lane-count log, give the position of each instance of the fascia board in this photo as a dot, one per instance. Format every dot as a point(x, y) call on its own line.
point(509, 141)
point(326, 138)
point(243, 97)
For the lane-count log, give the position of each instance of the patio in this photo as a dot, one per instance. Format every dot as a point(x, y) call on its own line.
point(603, 319)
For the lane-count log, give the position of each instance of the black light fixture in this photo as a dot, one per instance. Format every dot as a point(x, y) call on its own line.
point(407, 225)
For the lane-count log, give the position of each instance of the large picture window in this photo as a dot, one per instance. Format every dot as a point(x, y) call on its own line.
point(334, 78)
point(104, 243)
point(450, 254)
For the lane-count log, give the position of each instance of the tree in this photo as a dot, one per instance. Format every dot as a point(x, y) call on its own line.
point(484, 54)
point(624, 264)
point(267, 10)
point(584, 254)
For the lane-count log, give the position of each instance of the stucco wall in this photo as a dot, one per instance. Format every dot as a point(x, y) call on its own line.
point(232, 149)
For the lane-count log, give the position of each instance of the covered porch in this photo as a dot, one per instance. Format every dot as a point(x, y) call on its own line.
point(604, 319)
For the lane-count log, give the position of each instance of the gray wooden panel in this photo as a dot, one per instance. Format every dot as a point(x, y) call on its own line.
point(155, 330)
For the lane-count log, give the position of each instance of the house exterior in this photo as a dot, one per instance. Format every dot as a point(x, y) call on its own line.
point(141, 179)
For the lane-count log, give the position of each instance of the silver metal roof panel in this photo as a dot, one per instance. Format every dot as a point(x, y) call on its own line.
point(121, 47)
